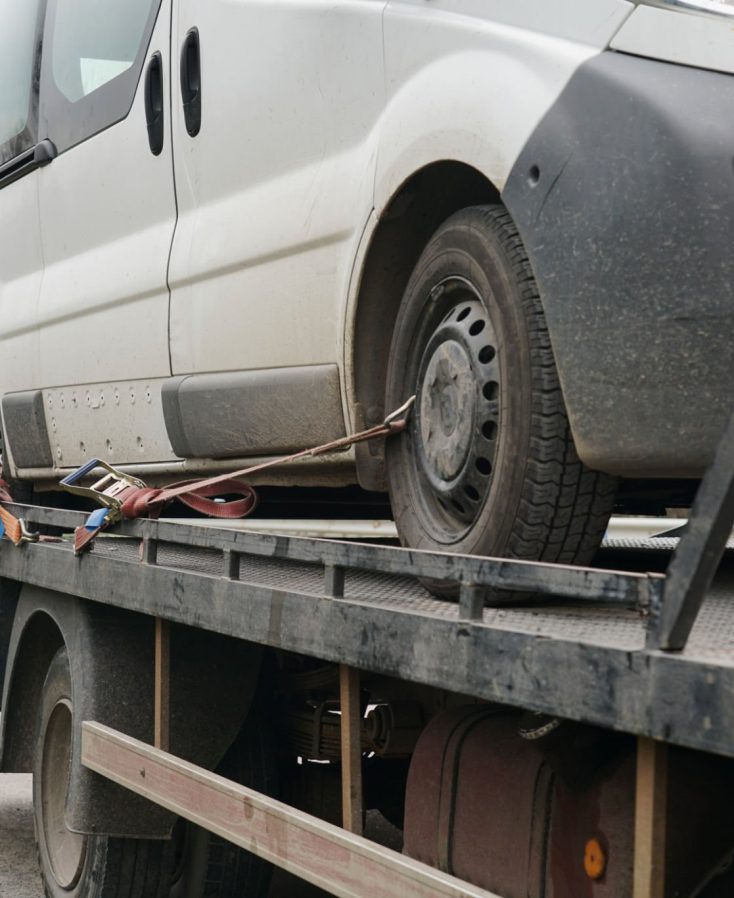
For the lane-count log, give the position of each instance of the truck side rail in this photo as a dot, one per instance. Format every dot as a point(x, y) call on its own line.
point(581, 655)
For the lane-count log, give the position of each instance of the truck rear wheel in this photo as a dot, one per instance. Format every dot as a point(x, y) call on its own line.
point(74, 865)
point(207, 866)
point(487, 465)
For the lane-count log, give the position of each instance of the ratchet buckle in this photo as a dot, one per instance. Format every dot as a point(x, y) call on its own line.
point(106, 491)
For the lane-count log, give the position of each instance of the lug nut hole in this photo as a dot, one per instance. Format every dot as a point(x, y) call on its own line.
point(486, 354)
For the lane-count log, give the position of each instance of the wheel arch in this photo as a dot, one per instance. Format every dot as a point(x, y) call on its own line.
point(31, 649)
point(9, 592)
point(213, 681)
point(417, 208)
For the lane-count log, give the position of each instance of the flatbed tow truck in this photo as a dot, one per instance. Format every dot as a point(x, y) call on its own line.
point(650, 654)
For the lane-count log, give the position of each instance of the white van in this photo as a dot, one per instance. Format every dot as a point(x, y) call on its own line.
point(233, 229)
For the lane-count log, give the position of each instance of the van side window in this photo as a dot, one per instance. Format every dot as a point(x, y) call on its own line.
point(93, 54)
point(19, 57)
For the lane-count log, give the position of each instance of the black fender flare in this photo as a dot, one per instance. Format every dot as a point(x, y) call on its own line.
point(9, 592)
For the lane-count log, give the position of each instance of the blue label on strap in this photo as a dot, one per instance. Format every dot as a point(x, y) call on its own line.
point(2, 528)
point(96, 519)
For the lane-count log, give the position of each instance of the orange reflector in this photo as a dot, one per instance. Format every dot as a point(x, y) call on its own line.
point(595, 861)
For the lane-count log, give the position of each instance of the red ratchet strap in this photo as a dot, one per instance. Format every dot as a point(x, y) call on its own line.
point(137, 502)
point(142, 501)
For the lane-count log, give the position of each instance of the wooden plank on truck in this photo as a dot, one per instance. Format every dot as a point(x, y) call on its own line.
point(328, 856)
point(650, 818)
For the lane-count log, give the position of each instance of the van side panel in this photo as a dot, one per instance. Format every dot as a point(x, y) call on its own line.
point(469, 80)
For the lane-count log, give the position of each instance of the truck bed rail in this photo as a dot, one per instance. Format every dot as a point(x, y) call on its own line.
point(582, 653)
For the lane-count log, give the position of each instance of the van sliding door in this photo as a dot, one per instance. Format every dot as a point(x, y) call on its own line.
point(275, 147)
point(108, 213)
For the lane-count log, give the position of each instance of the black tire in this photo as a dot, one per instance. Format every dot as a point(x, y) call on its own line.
point(487, 465)
point(75, 866)
point(207, 866)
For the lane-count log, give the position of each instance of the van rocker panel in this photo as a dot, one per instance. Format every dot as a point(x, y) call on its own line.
point(235, 414)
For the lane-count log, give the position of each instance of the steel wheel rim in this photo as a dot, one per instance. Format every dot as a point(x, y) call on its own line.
point(66, 850)
point(457, 414)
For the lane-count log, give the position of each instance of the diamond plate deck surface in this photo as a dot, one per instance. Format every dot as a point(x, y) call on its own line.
point(712, 638)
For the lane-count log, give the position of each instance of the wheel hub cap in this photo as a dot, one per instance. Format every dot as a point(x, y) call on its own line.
point(448, 399)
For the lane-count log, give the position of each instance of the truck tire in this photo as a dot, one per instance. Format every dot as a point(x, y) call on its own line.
point(207, 866)
point(74, 865)
point(487, 465)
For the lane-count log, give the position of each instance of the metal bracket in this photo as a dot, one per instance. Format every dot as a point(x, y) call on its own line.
point(699, 552)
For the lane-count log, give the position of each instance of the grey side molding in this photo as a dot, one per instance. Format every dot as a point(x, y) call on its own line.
point(263, 412)
point(25, 429)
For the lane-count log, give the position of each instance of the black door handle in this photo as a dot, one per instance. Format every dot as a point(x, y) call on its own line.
point(154, 103)
point(191, 82)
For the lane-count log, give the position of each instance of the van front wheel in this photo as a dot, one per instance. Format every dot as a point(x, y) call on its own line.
point(487, 465)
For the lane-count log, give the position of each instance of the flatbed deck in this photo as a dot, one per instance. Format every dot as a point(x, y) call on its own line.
point(580, 653)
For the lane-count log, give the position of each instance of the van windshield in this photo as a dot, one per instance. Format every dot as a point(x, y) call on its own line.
point(19, 79)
